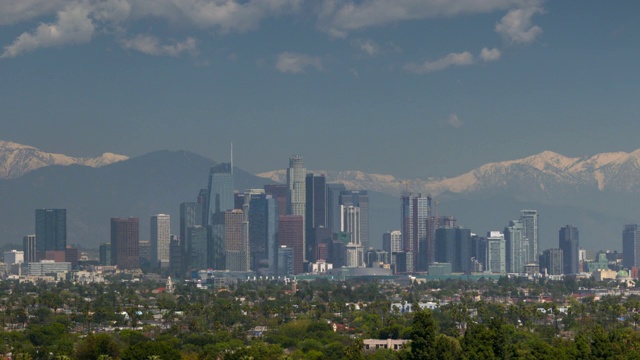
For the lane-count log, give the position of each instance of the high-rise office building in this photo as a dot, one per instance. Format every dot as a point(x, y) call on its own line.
point(286, 262)
point(263, 228)
point(496, 253)
point(196, 254)
point(189, 216)
point(351, 224)
point(125, 237)
point(333, 206)
point(569, 241)
point(360, 199)
point(29, 248)
point(236, 240)
point(176, 255)
point(392, 243)
point(297, 193)
point(202, 206)
point(315, 212)
point(529, 220)
point(631, 246)
point(220, 188)
point(453, 245)
point(51, 231)
point(517, 247)
point(414, 230)
point(479, 251)
point(551, 262)
point(105, 254)
point(291, 235)
point(160, 240)
point(279, 193)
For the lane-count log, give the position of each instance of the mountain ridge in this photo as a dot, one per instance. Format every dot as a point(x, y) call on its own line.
point(17, 160)
point(603, 170)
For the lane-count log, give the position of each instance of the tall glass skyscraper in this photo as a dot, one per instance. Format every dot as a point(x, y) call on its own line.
point(51, 231)
point(220, 189)
point(529, 219)
point(414, 230)
point(220, 194)
point(296, 194)
point(569, 240)
point(630, 246)
point(517, 247)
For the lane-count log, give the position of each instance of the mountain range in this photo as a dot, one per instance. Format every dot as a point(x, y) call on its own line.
point(599, 194)
point(17, 159)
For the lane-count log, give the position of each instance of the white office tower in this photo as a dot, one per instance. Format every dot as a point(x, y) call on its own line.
point(496, 253)
point(160, 241)
point(529, 220)
point(350, 223)
point(296, 193)
point(392, 243)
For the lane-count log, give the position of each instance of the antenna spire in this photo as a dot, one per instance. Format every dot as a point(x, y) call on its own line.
point(232, 157)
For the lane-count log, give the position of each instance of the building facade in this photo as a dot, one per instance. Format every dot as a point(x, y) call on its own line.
point(529, 219)
point(125, 237)
point(631, 246)
point(160, 240)
point(517, 247)
point(291, 235)
point(569, 241)
point(51, 231)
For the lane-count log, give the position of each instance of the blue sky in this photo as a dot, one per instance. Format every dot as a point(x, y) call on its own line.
point(406, 87)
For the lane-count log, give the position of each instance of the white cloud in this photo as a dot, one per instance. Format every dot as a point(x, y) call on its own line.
point(368, 46)
point(226, 15)
point(487, 54)
point(77, 21)
point(151, 45)
point(516, 27)
point(454, 121)
point(296, 63)
point(342, 16)
point(15, 11)
point(72, 26)
point(453, 59)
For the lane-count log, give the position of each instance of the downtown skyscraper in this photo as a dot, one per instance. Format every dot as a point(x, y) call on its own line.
point(160, 240)
point(569, 241)
point(51, 231)
point(220, 199)
point(360, 199)
point(296, 198)
point(125, 243)
point(517, 247)
point(631, 246)
point(529, 219)
point(414, 231)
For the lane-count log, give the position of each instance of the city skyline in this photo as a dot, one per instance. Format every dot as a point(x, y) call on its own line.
point(357, 74)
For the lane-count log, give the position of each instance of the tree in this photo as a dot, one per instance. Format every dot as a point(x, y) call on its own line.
point(423, 335)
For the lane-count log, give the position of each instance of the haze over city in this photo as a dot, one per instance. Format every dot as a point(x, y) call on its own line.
point(410, 88)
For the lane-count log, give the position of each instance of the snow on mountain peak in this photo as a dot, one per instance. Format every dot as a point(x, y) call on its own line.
point(17, 159)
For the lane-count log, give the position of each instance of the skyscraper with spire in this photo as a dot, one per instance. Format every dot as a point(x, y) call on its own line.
point(220, 199)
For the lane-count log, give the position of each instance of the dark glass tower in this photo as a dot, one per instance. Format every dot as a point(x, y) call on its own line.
point(51, 231)
point(569, 241)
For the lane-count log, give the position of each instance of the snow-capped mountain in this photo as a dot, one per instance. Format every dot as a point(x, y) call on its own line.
point(543, 174)
point(17, 159)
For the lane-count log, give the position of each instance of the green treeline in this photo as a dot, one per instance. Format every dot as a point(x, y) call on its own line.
point(321, 320)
